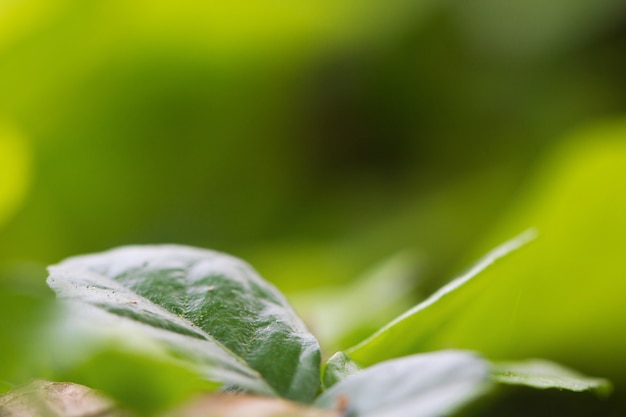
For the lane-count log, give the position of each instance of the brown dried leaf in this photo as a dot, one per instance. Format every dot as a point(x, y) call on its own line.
point(56, 399)
point(231, 405)
point(64, 399)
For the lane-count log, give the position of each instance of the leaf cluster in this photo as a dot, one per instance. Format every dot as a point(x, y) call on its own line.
point(151, 325)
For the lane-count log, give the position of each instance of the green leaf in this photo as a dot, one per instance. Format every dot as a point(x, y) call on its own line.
point(423, 321)
point(207, 308)
point(336, 313)
point(139, 381)
point(561, 297)
point(15, 161)
point(338, 368)
point(25, 306)
point(432, 384)
point(543, 374)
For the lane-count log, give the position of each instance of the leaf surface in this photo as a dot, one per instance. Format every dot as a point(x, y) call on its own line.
point(56, 399)
point(543, 374)
point(561, 297)
point(15, 161)
point(226, 405)
point(337, 368)
point(337, 314)
point(25, 307)
point(425, 385)
point(207, 308)
point(429, 317)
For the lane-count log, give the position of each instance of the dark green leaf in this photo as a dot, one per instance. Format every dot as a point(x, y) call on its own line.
point(210, 309)
point(426, 385)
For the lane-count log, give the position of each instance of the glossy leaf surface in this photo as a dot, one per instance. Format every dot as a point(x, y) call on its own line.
point(209, 308)
point(432, 384)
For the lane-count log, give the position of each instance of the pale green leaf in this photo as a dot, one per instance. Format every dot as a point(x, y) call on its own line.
point(543, 374)
point(336, 313)
point(433, 384)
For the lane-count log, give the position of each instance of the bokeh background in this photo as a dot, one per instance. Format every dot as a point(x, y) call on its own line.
point(358, 153)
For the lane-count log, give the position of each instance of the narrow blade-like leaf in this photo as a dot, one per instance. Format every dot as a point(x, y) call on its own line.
point(208, 307)
point(412, 331)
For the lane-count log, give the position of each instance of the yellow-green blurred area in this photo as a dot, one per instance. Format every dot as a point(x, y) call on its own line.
point(318, 139)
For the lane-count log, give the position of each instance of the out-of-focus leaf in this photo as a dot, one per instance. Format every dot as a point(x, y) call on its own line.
point(56, 399)
point(562, 297)
point(540, 373)
point(336, 314)
point(64, 399)
point(412, 331)
point(225, 405)
point(139, 380)
point(14, 171)
point(432, 384)
point(209, 309)
point(185, 71)
point(25, 306)
point(501, 27)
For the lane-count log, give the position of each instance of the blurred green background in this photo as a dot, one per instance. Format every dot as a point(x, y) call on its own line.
point(318, 139)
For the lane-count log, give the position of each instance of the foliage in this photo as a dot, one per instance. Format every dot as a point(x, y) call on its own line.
point(14, 171)
point(358, 154)
point(202, 305)
point(544, 374)
point(140, 321)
